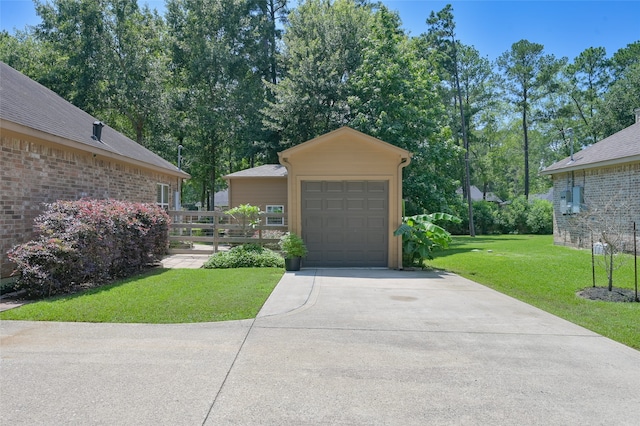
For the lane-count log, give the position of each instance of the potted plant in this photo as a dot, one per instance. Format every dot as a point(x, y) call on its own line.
point(293, 249)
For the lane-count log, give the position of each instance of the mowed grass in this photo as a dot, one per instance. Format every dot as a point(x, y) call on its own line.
point(532, 269)
point(162, 296)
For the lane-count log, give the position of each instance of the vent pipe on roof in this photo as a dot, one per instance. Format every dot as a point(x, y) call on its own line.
point(570, 133)
point(97, 130)
point(637, 113)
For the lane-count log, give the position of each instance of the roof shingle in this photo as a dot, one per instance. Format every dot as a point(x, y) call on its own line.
point(267, 170)
point(28, 103)
point(621, 147)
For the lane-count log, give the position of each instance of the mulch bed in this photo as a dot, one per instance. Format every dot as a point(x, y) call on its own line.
point(603, 294)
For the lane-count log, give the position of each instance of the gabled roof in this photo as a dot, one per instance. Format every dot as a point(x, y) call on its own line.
point(619, 148)
point(546, 196)
point(477, 195)
point(342, 131)
point(27, 106)
point(267, 170)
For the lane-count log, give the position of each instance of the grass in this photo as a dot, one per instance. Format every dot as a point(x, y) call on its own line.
point(162, 296)
point(532, 269)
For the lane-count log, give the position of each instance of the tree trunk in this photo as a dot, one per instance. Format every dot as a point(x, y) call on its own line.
point(526, 148)
point(467, 174)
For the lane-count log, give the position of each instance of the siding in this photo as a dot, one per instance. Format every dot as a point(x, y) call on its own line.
point(258, 192)
point(34, 172)
point(345, 155)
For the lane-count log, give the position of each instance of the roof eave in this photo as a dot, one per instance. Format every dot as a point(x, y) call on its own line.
point(595, 165)
point(28, 131)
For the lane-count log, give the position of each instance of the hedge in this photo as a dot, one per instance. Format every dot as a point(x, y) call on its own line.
point(89, 241)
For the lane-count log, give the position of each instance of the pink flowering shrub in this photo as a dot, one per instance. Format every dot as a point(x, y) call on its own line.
point(89, 241)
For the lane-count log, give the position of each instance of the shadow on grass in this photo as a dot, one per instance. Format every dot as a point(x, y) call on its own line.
point(99, 288)
point(466, 244)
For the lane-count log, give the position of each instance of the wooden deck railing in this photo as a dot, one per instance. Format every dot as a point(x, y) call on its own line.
point(203, 232)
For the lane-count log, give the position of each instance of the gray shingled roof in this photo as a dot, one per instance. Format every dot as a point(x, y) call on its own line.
point(621, 147)
point(28, 103)
point(477, 195)
point(267, 170)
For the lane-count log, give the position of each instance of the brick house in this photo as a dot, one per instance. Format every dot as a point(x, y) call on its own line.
point(341, 191)
point(604, 177)
point(50, 150)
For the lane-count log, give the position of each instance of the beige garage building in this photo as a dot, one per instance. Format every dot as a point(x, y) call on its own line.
point(343, 196)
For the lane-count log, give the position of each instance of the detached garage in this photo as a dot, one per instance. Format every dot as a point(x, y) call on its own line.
point(344, 197)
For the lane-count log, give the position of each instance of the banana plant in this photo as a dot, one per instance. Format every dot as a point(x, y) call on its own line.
point(421, 236)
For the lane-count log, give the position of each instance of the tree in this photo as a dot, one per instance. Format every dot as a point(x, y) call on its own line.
point(442, 35)
point(589, 78)
point(527, 73)
point(213, 54)
point(607, 221)
point(394, 97)
point(623, 94)
point(111, 61)
point(323, 45)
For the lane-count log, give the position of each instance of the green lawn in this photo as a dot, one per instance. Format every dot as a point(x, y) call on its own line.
point(532, 269)
point(162, 296)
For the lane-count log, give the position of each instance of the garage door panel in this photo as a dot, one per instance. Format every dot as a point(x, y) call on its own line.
point(356, 222)
point(377, 222)
point(356, 186)
point(312, 204)
point(350, 228)
point(313, 186)
point(376, 204)
point(374, 239)
point(334, 222)
point(376, 186)
point(334, 204)
point(334, 186)
point(355, 204)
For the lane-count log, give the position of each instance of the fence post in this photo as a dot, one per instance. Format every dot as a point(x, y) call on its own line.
point(635, 258)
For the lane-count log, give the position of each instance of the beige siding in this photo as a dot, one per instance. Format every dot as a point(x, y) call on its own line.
point(346, 154)
point(35, 171)
point(258, 192)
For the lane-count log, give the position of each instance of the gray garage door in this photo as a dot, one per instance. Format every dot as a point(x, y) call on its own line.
point(345, 223)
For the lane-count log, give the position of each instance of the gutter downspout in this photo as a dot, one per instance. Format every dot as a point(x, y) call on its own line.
point(285, 162)
point(404, 162)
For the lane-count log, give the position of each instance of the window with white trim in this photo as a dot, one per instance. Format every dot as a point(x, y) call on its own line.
point(162, 198)
point(275, 221)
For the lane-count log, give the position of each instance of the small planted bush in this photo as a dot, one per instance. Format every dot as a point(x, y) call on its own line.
point(245, 256)
point(89, 241)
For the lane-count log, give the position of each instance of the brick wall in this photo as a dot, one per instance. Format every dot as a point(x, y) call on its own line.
point(617, 187)
point(34, 172)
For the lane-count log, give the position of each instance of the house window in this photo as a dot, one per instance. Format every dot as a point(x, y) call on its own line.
point(275, 221)
point(162, 198)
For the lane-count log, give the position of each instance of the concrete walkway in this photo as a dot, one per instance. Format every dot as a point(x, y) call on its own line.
point(351, 347)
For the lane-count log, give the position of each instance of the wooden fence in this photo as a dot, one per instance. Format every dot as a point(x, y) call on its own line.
point(206, 232)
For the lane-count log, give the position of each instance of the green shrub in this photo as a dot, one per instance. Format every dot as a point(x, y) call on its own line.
point(513, 217)
point(485, 217)
point(245, 256)
point(540, 217)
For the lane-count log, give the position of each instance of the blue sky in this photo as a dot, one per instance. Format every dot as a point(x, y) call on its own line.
point(565, 28)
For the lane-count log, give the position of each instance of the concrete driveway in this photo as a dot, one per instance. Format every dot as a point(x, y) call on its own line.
point(350, 347)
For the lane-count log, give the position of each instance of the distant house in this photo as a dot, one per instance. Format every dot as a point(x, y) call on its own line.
point(342, 192)
point(221, 199)
point(52, 151)
point(477, 195)
point(547, 196)
point(604, 173)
